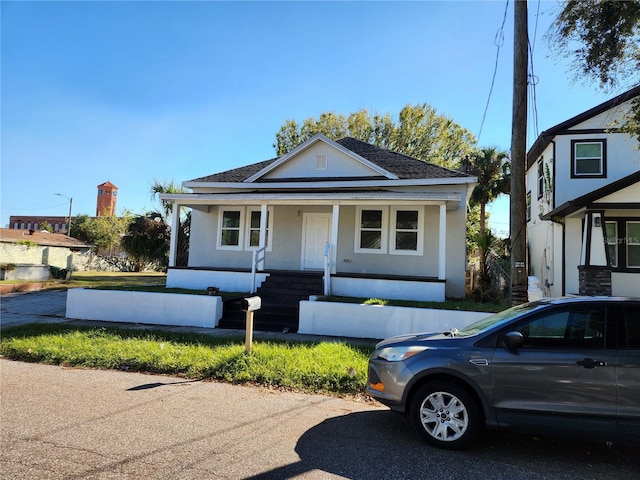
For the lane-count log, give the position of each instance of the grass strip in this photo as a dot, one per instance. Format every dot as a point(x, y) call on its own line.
point(310, 367)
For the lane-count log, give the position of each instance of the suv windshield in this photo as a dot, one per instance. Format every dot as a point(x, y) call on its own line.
point(495, 319)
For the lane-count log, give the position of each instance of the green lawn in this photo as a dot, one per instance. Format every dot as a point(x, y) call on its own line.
point(312, 367)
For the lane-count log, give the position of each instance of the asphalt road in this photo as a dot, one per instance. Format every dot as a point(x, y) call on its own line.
point(62, 423)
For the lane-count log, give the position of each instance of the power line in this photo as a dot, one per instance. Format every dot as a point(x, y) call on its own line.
point(498, 42)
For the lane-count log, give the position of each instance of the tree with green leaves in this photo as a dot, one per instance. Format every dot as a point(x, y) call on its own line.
point(419, 132)
point(147, 241)
point(103, 232)
point(603, 38)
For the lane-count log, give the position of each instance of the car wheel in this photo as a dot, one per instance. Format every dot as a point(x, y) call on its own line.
point(445, 415)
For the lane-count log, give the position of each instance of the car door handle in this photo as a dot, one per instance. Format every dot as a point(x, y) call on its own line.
point(591, 363)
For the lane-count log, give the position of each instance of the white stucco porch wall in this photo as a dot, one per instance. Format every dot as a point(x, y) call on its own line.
point(388, 289)
point(144, 307)
point(201, 279)
point(374, 321)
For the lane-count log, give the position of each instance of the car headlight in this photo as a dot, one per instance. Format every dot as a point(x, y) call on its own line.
point(397, 354)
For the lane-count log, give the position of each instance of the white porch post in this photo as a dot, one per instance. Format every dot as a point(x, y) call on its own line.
point(442, 243)
point(334, 237)
point(263, 233)
point(175, 225)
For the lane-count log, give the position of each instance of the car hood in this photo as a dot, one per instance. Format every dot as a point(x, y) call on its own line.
point(414, 338)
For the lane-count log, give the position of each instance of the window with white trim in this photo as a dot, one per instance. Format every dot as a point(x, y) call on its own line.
point(230, 231)
point(253, 228)
point(371, 230)
point(588, 158)
point(529, 206)
point(407, 230)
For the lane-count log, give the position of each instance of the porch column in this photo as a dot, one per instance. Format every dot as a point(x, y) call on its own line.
point(442, 243)
point(594, 271)
point(334, 237)
point(263, 233)
point(175, 226)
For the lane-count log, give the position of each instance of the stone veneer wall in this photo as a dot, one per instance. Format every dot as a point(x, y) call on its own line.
point(594, 280)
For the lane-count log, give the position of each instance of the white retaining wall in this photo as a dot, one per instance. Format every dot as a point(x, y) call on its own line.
point(376, 321)
point(144, 307)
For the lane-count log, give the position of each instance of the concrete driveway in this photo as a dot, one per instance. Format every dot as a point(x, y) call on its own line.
point(44, 306)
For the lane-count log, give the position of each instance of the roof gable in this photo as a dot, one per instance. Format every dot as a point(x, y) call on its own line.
point(363, 161)
point(320, 158)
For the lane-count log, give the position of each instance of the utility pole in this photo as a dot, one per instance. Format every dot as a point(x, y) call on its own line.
point(518, 213)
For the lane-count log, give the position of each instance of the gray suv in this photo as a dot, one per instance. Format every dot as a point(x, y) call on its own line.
point(565, 367)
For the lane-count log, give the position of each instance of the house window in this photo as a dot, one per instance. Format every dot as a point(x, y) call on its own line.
point(633, 244)
point(230, 231)
point(371, 230)
point(588, 158)
point(528, 206)
point(406, 234)
point(253, 228)
point(612, 242)
point(540, 179)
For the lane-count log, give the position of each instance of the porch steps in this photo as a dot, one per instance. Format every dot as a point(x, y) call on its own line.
point(281, 293)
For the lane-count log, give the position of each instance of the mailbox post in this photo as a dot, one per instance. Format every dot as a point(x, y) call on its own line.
point(250, 305)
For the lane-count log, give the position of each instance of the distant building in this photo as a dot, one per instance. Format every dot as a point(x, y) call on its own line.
point(106, 199)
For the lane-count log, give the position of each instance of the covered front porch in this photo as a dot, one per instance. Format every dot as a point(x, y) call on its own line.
point(395, 245)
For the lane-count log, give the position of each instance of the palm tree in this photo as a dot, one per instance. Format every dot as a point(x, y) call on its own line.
point(493, 169)
point(184, 219)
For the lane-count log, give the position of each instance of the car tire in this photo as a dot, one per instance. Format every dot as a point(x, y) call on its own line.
point(445, 414)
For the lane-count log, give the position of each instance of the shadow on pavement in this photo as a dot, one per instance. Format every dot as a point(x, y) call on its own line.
point(381, 444)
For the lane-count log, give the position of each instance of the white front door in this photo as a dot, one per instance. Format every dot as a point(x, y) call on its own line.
point(316, 228)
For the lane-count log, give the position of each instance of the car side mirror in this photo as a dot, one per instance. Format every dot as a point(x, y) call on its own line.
point(513, 340)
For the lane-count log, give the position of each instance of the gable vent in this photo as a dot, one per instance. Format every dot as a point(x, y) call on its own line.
point(321, 162)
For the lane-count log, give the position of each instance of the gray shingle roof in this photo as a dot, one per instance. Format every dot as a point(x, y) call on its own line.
point(402, 166)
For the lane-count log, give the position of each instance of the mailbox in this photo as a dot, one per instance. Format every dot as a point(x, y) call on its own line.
point(250, 304)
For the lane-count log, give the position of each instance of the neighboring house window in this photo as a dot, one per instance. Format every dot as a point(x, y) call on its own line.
point(588, 158)
point(15, 225)
point(230, 233)
point(253, 228)
point(56, 227)
point(528, 205)
point(540, 179)
point(623, 242)
point(612, 242)
point(35, 226)
point(406, 232)
point(371, 230)
point(633, 244)
point(29, 226)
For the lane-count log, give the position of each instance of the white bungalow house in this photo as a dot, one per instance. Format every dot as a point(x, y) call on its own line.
point(583, 204)
point(371, 222)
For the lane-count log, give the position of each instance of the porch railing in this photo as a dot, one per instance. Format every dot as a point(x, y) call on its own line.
point(327, 269)
point(258, 259)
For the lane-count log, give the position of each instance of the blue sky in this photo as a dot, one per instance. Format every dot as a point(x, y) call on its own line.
point(132, 91)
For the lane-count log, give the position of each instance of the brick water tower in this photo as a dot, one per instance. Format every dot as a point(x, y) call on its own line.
point(107, 198)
